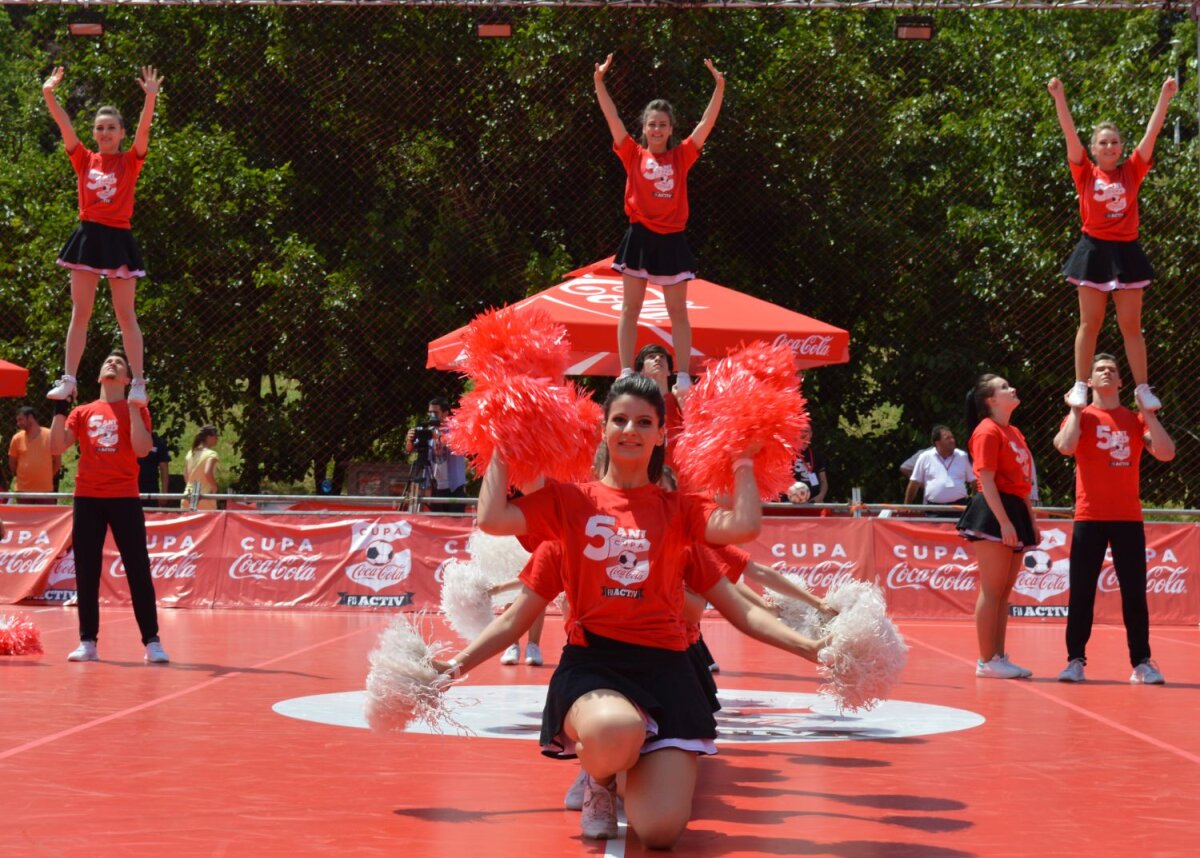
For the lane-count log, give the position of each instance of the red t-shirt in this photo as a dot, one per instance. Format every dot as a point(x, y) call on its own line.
point(1002, 450)
point(1108, 199)
point(1106, 465)
point(106, 185)
point(656, 185)
point(622, 563)
point(108, 467)
point(729, 561)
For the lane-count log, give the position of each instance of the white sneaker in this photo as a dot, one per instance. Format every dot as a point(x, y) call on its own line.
point(1022, 672)
point(1147, 673)
point(997, 668)
point(573, 800)
point(533, 655)
point(86, 651)
point(599, 818)
point(64, 388)
point(511, 655)
point(1073, 672)
point(137, 392)
point(1146, 399)
point(1078, 397)
point(155, 654)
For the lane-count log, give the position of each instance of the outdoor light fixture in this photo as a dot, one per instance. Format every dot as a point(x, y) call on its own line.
point(494, 24)
point(914, 28)
point(86, 24)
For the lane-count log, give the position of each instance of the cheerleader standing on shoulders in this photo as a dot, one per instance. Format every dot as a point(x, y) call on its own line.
point(999, 520)
point(1108, 257)
point(654, 248)
point(102, 245)
point(625, 697)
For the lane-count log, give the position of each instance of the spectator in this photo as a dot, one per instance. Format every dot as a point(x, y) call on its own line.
point(154, 471)
point(30, 459)
point(200, 471)
point(809, 468)
point(906, 467)
point(449, 469)
point(943, 471)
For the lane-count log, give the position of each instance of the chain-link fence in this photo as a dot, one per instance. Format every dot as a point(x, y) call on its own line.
point(331, 187)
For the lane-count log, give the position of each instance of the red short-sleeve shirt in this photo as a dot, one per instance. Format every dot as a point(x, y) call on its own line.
point(729, 561)
point(108, 467)
point(656, 184)
point(1107, 464)
point(1002, 450)
point(622, 564)
point(106, 185)
point(1108, 199)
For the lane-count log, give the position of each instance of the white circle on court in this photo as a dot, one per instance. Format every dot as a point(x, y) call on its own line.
point(746, 716)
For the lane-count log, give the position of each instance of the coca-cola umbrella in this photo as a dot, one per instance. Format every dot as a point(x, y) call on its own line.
point(13, 379)
point(588, 304)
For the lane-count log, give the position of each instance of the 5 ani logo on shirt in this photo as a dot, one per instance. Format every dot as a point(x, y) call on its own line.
point(628, 547)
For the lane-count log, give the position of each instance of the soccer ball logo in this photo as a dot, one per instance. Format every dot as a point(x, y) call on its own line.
point(1037, 562)
point(380, 553)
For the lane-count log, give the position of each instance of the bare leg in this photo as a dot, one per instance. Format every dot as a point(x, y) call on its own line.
point(658, 796)
point(83, 297)
point(996, 566)
point(608, 731)
point(123, 293)
point(1129, 317)
point(1092, 303)
point(1014, 569)
point(633, 293)
point(681, 328)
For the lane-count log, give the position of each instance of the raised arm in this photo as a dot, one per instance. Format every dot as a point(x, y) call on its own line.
point(61, 438)
point(495, 515)
point(615, 125)
point(1146, 147)
point(1075, 151)
point(743, 522)
point(709, 119)
point(150, 83)
point(139, 435)
point(70, 138)
point(1067, 439)
point(1159, 444)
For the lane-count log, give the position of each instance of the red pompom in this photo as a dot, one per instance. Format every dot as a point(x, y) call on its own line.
point(544, 429)
point(18, 636)
point(507, 342)
point(750, 397)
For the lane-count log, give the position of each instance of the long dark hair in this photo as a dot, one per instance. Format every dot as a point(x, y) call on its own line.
point(977, 407)
point(645, 389)
point(205, 432)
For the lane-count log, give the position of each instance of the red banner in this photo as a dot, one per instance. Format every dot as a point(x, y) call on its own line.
point(393, 560)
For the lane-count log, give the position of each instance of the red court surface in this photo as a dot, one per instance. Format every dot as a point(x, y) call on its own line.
point(120, 758)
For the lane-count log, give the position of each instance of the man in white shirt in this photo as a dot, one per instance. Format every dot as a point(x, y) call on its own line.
point(942, 471)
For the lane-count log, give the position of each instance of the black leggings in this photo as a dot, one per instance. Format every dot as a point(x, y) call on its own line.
point(1088, 542)
point(93, 519)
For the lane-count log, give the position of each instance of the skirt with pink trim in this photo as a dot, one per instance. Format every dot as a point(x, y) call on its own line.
point(663, 260)
point(978, 522)
point(105, 250)
point(1107, 265)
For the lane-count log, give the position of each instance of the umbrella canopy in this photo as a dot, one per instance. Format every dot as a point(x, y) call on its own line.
point(588, 304)
point(12, 379)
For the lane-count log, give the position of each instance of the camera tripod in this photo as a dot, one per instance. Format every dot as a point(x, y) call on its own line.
point(420, 483)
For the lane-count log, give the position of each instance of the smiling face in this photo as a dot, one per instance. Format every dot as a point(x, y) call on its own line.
point(108, 131)
point(632, 430)
point(657, 130)
point(1107, 146)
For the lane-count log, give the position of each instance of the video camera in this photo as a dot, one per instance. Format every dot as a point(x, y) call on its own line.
point(423, 435)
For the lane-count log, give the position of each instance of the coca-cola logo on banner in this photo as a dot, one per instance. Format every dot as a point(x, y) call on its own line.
point(828, 563)
point(946, 568)
point(170, 557)
point(63, 569)
point(383, 564)
point(608, 292)
point(270, 558)
point(25, 552)
point(814, 345)
point(1041, 575)
point(1165, 575)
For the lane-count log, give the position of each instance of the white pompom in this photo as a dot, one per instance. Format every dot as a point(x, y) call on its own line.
point(403, 685)
point(500, 558)
point(465, 600)
point(799, 492)
point(866, 653)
